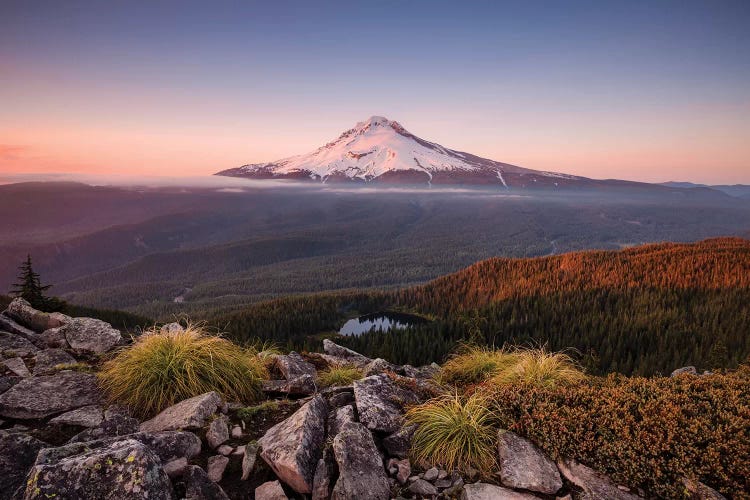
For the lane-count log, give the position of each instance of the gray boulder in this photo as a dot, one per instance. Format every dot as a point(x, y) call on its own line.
point(380, 403)
point(361, 472)
point(22, 312)
point(380, 365)
point(48, 359)
point(249, 457)
point(17, 454)
point(337, 354)
point(299, 374)
point(199, 487)
point(191, 413)
point(88, 416)
point(523, 465)
point(90, 335)
point(322, 481)
point(15, 345)
point(699, 491)
point(125, 469)
point(484, 491)
point(339, 417)
point(685, 370)
point(593, 484)
point(170, 328)
point(8, 325)
point(17, 366)
point(53, 338)
point(215, 467)
point(399, 443)
point(175, 468)
point(292, 447)
point(270, 490)
point(422, 488)
point(218, 432)
point(116, 425)
point(40, 397)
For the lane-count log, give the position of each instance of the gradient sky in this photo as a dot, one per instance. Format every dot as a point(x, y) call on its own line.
point(645, 90)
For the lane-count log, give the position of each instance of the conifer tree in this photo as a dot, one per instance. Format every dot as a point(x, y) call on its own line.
point(30, 288)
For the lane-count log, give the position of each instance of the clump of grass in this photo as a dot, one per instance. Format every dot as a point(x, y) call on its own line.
point(454, 432)
point(474, 364)
point(339, 375)
point(159, 370)
point(249, 412)
point(539, 368)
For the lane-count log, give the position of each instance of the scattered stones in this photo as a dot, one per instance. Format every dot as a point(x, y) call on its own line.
point(593, 484)
point(249, 457)
point(292, 448)
point(17, 454)
point(361, 472)
point(422, 487)
point(191, 413)
point(215, 467)
point(484, 491)
point(523, 465)
point(90, 335)
point(685, 370)
point(225, 450)
point(236, 432)
point(40, 397)
point(171, 328)
point(218, 432)
point(380, 403)
point(126, 469)
point(15, 345)
point(47, 359)
point(431, 474)
point(199, 487)
point(402, 467)
point(271, 490)
point(88, 416)
point(17, 366)
point(175, 468)
point(398, 443)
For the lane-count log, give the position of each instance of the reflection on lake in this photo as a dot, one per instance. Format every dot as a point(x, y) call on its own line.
point(382, 321)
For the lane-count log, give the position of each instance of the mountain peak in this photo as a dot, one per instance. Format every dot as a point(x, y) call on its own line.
point(379, 149)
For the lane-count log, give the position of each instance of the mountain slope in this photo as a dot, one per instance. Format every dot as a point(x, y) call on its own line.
point(383, 151)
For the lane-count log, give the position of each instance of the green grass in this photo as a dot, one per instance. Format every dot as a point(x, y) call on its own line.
point(454, 432)
point(159, 370)
point(336, 375)
point(249, 412)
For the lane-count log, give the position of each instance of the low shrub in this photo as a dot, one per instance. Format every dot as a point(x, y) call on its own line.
point(454, 432)
point(339, 375)
point(643, 432)
point(473, 364)
point(159, 370)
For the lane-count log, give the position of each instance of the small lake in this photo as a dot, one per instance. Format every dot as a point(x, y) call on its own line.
point(381, 321)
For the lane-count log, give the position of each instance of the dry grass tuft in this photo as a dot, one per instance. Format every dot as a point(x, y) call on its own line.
point(454, 432)
point(473, 364)
point(336, 375)
point(539, 368)
point(159, 370)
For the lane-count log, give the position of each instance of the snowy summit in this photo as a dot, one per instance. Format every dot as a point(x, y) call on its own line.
point(381, 150)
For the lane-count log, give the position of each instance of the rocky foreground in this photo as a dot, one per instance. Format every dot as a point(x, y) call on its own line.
point(59, 438)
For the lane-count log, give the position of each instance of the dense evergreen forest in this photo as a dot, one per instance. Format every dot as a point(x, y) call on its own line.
point(642, 310)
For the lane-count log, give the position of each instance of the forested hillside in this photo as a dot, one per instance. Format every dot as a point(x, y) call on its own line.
point(637, 311)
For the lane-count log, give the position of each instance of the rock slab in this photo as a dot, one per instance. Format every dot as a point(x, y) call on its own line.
point(381, 402)
point(90, 335)
point(41, 397)
point(361, 472)
point(191, 413)
point(593, 484)
point(523, 465)
point(292, 448)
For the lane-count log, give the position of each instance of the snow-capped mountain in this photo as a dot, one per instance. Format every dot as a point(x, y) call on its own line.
point(381, 150)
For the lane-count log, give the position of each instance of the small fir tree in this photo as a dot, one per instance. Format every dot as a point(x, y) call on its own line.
point(30, 288)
